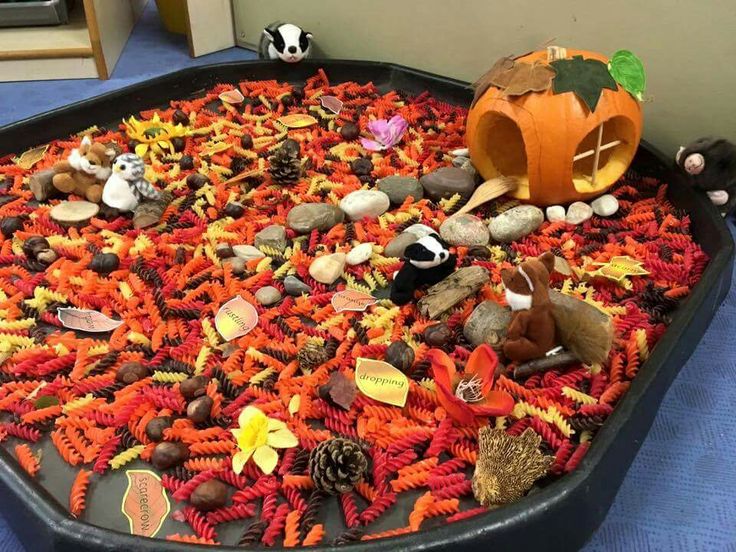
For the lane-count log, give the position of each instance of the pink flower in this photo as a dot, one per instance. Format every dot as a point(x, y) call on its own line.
point(386, 133)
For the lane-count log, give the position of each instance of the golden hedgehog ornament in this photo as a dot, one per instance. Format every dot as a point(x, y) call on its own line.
point(507, 466)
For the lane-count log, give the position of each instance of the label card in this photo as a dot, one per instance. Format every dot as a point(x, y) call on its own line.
point(352, 300)
point(619, 267)
point(236, 318)
point(297, 120)
point(233, 96)
point(86, 320)
point(145, 503)
point(381, 381)
point(331, 103)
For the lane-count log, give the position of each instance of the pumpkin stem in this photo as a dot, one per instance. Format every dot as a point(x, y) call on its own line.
point(556, 52)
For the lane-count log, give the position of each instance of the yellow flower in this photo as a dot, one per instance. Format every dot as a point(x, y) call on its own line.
point(153, 134)
point(257, 436)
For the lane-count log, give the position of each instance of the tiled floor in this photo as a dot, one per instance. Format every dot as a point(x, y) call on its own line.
point(680, 493)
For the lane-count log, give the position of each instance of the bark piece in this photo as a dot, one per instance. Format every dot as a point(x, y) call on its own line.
point(149, 212)
point(543, 364)
point(42, 186)
point(453, 289)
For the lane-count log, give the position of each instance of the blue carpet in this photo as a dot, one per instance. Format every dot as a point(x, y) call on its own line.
point(680, 493)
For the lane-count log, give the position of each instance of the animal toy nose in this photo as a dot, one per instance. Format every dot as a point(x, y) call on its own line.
point(292, 49)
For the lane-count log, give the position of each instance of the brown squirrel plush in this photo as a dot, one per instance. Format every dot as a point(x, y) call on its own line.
point(85, 171)
point(531, 332)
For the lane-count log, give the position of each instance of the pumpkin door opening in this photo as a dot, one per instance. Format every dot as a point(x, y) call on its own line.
point(616, 149)
point(505, 150)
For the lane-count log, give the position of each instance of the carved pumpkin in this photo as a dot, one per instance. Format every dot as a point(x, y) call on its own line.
point(559, 149)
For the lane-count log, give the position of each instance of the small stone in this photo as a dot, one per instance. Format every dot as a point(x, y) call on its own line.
point(364, 203)
point(237, 265)
point(464, 230)
point(578, 212)
point(246, 141)
point(446, 182)
point(349, 131)
point(247, 252)
point(605, 206)
point(396, 247)
point(47, 256)
point(400, 356)
point(487, 324)
point(461, 152)
point(268, 295)
point(199, 409)
point(359, 254)
point(234, 210)
point(307, 216)
point(479, 251)
point(273, 236)
point(328, 268)
point(398, 188)
point(224, 251)
point(437, 335)
point(180, 118)
point(130, 372)
point(155, 428)
point(169, 454)
point(362, 166)
point(186, 162)
point(420, 230)
point(193, 387)
point(209, 495)
point(295, 287)
point(516, 223)
point(555, 213)
point(469, 168)
point(196, 180)
point(459, 161)
point(10, 225)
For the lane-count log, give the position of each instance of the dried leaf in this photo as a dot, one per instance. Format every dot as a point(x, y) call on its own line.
point(619, 267)
point(352, 300)
point(585, 77)
point(339, 390)
point(86, 320)
point(297, 120)
point(294, 404)
point(331, 103)
point(233, 96)
point(515, 77)
point(30, 157)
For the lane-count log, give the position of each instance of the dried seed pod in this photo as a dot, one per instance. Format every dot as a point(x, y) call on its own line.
point(10, 225)
point(34, 245)
point(104, 263)
point(131, 372)
point(167, 455)
point(199, 409)
point(155, 428)
point(210, 495)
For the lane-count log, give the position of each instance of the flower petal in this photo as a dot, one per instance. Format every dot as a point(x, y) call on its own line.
point(379, 128)
point(266, 458)
point(240, 459)
point(275, 425)
point(283, 438)
point(483, 362)
point(248, 414)
point(371, 145)
point(495, 403)
point(141, 149)
point(442, 365)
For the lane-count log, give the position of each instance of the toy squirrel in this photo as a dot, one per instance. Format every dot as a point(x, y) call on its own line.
point(531, 332)
point(428, 261)
point(710, 165)
point(85, 171)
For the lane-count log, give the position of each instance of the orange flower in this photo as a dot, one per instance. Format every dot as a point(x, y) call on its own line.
point(468, 396)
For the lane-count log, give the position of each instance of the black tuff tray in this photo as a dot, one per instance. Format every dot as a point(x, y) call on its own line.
point(564, 514)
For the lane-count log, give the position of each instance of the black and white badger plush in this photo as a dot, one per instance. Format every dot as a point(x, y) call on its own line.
point(710, 165)
point(286, 42)
point(427, 262)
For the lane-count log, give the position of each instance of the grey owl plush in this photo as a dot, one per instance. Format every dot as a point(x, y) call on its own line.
point(127, 184)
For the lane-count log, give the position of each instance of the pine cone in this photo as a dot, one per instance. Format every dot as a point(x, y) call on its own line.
point(337, 465)
point(286, 167)
point(311, 356)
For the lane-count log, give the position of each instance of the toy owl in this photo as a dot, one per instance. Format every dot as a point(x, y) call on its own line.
point(127, 184)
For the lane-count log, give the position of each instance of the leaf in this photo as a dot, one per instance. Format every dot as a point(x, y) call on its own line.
point(235, 318)
point(45, 402)
point(233, 96)
point(30, 157)
point(86, 320)
point(297, 120)
point(585, 77)
point(515, 78)
point(381, 381)
point(495, 74)
point(628, 70)
point(331, 103)
point(339, 390)
point(352, 300)
point(619, 267)
point(145, 503)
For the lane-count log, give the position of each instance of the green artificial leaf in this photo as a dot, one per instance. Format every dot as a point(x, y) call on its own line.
point(45, 401)
point(585, 77)
point(628, 71)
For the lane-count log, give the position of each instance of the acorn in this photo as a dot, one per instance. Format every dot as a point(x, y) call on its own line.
point(104, 263)
point(199, 409)
point(130, 372)
point(197, 180)
point(234, 210)
point(209, 495)
point(193, 387)
point(186, 162)
point(180, 118)
point(178, 143)
point(155, 428)
point(349, 131)
point(10, 225)
point(169, 454)
point(246, 141)
point(34, 245)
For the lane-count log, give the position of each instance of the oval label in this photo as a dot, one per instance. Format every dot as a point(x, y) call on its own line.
point(381, 381)
point(236, 318)
point(145, 503)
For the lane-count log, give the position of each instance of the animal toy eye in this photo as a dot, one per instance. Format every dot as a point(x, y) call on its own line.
point(92, 163)
point(122, 167)
point(443, 255)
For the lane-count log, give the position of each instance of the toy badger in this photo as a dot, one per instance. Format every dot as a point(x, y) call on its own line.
point(286, 42)
point(531, 332)
point(428, 261)
point(710, 165)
